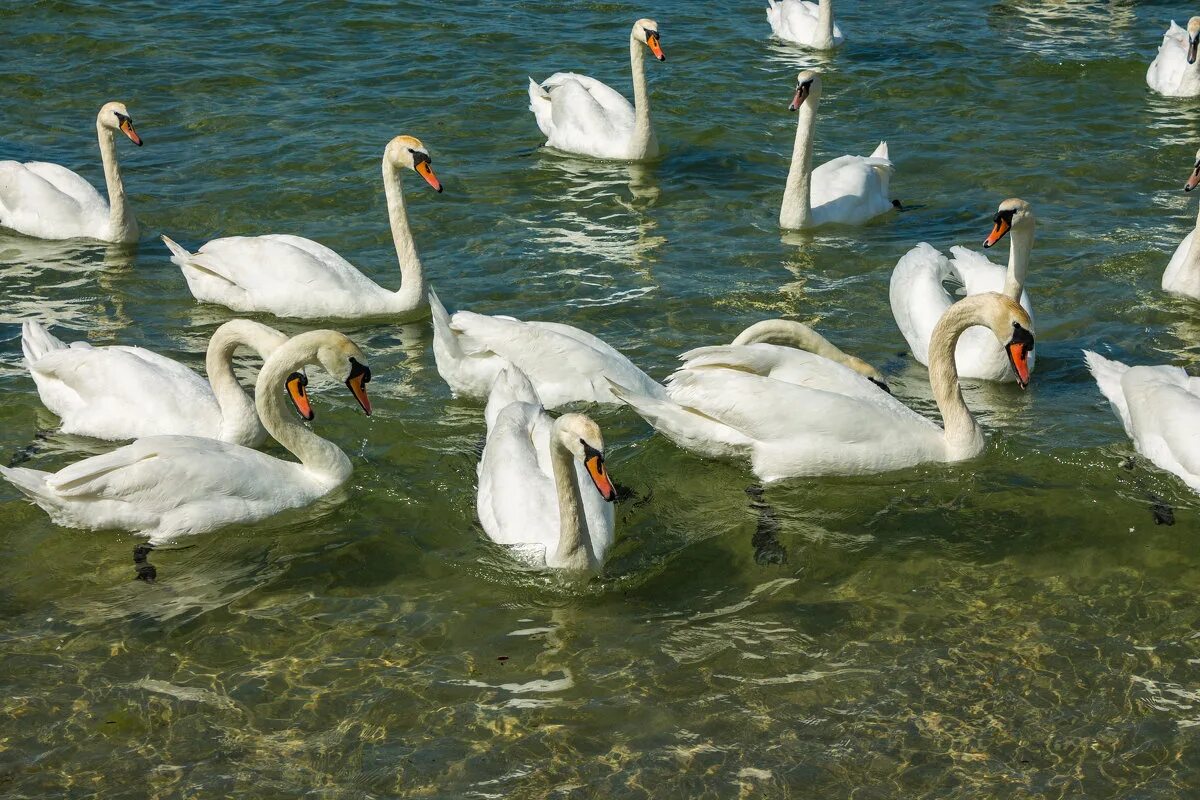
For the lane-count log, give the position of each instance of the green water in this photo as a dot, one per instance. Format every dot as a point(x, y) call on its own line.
point(1016, 626)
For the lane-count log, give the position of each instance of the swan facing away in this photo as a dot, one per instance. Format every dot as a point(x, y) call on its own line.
point(840, 424)
point(289, 276)
point(919, 298)
point(564, 364)
point(1159, 408)
point(805, 23)
point(1175, 71)
point(583, 116)
point(48, 201)
point(848, 189)
point(119, 392)
point(1182, 276)
point(543, 488)
point(168, 486)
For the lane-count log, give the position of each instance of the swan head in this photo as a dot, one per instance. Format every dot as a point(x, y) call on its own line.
point(582, 438)
point(646, 32)
point(808, 85)
point(1013, 213)
point(407, 152)
point(341, 358)
point(1012, 327)
point(1194, 179)
point(1193, 34)
point(115, 117)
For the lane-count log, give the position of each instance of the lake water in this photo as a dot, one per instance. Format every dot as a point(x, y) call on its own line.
point(1015, 626)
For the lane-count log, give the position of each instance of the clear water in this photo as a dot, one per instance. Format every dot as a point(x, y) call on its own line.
point(1013, 627)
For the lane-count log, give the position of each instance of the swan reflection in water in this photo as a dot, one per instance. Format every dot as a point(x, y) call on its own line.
point(596, 210)
point(41, 279)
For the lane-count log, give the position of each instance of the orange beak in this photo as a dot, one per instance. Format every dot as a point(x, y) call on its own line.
point(295, 388)
point(127, 129)
point(595, 468)
point(1193, 179)
point(1017, 354)
point(798, 100)
point(655, 45)
point(360, 376)
point(998, 230)
point(425, 171)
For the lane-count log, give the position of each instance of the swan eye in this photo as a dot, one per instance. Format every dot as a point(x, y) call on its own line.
point(1022, 337)
point(1005, 216)
point(357, 369)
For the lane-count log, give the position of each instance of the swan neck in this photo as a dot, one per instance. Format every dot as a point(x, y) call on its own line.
point(1019, 247)
point(239, 419)
point(412, 275)
point(643, 135)
point(797, 196)
point(573, 545)
point(321, 458)
point(962, 433)
point(121, 222)
point(825, 24)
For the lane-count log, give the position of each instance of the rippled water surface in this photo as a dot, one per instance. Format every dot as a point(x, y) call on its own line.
point(1017, 626)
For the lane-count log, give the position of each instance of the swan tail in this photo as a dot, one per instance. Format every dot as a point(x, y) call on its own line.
point(881, 151)
point(688, 428)
point(36, 341)
point(539, 104)
point(444, 338)
point(511, 386)
point(178, 254)
point(30, 482)
point(1108, 374)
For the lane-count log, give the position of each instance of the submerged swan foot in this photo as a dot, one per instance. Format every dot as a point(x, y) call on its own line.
point(145, 571)
point(767, 548)
point(1163, 513)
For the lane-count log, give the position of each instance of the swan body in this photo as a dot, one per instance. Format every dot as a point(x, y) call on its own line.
point(787, 429)
point(543, 488)
point(290, 276)
point(119, 392)
point(804, 23)
point(48, 201)
point(1175, 71)
point(564, 364)
point(1182, 276)
point(1160, 410)
point(169, 486)
point(848, 190)
point(581, 115)
point(919, 299)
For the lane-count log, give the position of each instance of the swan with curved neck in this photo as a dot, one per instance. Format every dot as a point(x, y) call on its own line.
point(48, 201)
point(120, 392)
point(848, 190)
point(583, 116)
point(805, 23)
point(290, 276)
point(1175, 71)
point(168, 486)
point(559, 517)
point(919, 297)
point(1182, 275)
point(787, 429)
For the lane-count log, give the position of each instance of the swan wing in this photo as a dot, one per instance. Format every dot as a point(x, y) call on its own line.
point(796, 21)
point(124, 393)
point(588, 117)
point(1164, 408)
point(1108, 374)
point(781, 363)
point(918, 298)
point(851, 189)
point(516, 502)
point(49, 201)
point(1180, 277)
point(1168, 73)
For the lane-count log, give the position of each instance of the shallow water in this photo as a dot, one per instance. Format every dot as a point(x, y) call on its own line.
point(1016, 626)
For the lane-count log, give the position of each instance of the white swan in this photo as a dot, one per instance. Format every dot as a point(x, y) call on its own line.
point(536, 480)
point(789, 351)
point(49, 201)
point(120, 392)
point(581, 115)
point(168, 486)
point(805, 23)
point(788, 430)
point(919, 299)
point(564, 364)
point(1160, 409)
point(1182, 276)
point(289, 276)
point(1175, 71)
point(847, 189)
